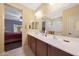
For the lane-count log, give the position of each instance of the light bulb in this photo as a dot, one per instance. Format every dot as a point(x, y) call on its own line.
point(38, 14)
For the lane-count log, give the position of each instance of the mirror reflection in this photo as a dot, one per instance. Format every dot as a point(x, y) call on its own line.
point(63, 21)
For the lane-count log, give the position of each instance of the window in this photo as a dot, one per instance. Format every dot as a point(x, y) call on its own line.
point(17, 28)
point(57, 25)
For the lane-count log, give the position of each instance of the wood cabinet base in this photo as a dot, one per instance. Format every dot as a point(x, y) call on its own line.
point(41, 48)
point(53, 51)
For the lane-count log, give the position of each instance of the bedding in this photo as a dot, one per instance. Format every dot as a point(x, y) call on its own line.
point(13, 36)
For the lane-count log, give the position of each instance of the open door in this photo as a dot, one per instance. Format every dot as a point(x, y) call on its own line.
point(13, 28)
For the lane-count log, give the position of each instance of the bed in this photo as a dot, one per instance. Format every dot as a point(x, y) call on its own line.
point(12, 36)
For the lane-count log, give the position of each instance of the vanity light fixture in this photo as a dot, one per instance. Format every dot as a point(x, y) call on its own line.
point(50, 3)
point(38, 14)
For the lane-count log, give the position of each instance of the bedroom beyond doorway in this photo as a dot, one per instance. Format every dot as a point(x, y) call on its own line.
point(13, 28)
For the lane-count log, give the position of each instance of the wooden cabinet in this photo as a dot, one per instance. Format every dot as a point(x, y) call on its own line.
point(41, 48)
point(38, 47)
point(32, 43)
point(29, 40)
point(53, 51)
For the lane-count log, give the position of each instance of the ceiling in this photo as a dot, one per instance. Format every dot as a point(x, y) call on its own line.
point(12, 13)
point(32, 6)
point(58, 9)
point(12, 10)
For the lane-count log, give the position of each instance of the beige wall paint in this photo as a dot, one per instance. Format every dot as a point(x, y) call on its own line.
point(77, 25)
point(67, 13)
point(1, 28)
point(27, 16)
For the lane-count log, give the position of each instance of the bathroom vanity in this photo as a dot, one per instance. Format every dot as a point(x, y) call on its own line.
point(52, 45)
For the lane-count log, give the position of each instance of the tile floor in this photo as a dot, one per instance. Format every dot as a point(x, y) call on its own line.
point(18, 52)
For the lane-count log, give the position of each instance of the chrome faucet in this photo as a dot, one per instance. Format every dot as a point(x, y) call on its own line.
point(45, 33)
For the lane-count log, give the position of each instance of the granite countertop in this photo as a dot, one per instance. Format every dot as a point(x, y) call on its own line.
point(67, 44)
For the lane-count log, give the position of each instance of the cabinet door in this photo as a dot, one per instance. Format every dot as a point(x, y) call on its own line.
point(32, 43)
point(41, 48)
point(29, 41)
point(53, 51)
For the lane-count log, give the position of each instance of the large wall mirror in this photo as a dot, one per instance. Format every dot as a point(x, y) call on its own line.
point(64, 22)
point(55, 25)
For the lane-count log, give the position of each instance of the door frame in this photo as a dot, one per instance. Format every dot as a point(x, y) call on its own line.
point(14, 5)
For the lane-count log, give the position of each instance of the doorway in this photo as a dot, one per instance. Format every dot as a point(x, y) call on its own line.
point(73, 29)
point(13, 28)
